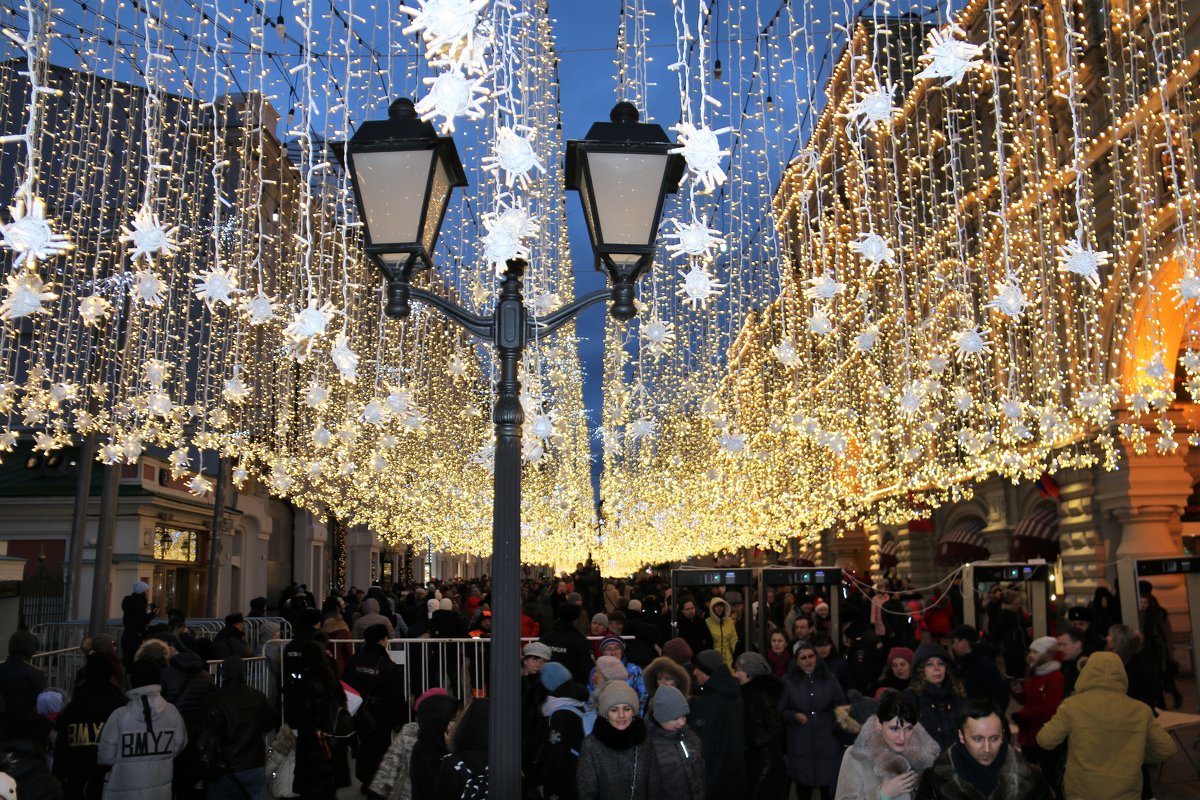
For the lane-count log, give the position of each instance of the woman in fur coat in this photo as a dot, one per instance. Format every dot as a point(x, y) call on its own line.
point(889, 755)
point(662, 671)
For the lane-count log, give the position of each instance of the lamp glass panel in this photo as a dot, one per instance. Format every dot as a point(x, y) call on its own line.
point(391, 186)
point(439, 195)
point(626, 188)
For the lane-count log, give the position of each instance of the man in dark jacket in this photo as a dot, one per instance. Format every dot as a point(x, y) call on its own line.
point(718, 719)
point(690, 626)
point(187, 685)
point(20, 684)
point(239, 716)
point(766, 775)
point(977, 664)
point(231, 640)
point(981, 764)
point(568, 646)
point(376, 677)
point(79, 726)
point(136, 615)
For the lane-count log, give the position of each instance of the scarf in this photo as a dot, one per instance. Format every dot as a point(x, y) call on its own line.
point(985, 779)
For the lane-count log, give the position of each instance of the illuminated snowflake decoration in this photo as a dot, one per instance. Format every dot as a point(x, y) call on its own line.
point(874, 249)
point(239, 476)
point(949, 55)
point(156, 372)
point(44, 442)
point(322, 436)
point(970, 343)
point(235, 390)
point(280, 481)
point(1187, 288)
point(259, 309)
point(199, 486)
point(732, 443)
point(640, 428)
point(307, 326)
point(543, 426)
point(1156, 370)
point(449, 28)
point(452, 95)
point(702, 152)
point(824, 287)
point(513, 155)
point(699, 287)
point(400, 401)
point(911, 399)
point(111, 453)
point(1012, 409)
point(785, 353)
point(1190, 361)
point(29, 235)
point(374, 413)
point(315, 395)
point(215, 287)
point(159, 403)
point(1010, 298)
point(874, 107)
point(8, 440)
point(26, 293)
point(508, 228)
point(659, 336)
point(148, 288)
point(820, 323)
point(457, 367)
point(693, 239)
point(378, 463)
point(94, 310)
point(865, 340)
point(148, 236)
point(345, 359)
point(1073, 257)
point(962, 399)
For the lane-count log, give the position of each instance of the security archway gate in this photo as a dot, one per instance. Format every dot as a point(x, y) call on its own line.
point(736, 578)
point(1130, 571)
point(981, 576)
point(800, 576)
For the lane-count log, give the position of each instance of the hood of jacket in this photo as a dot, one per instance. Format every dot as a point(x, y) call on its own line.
point(187, 661)
point(555, 704)
point(666, 666)
point(920, 751)
point(720, 601)
point(153, 693)
point(370, 606)
point(1103, 671)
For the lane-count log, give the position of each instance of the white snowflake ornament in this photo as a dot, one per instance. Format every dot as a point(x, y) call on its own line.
point(216, 287)
point(820, 323)
point(874, 107)
point(732, 443)
point(307, 326)
point(148, 288)
point(693, 239)
point(874, 249)
point(374, 413)
point(1010, 298)
point(640, 428)
point(865, 340)
point(400, 401)
point(1187, 288)
point(315, 395)
point(449, 28)
point(451, 95)
point(199, 486)
point(702, 152)
point(513, 155)
point(345, 359)
point(322, 436)
point(824, 287)
point(508, 228)
point(971, 344)
point(949, 55)
point(26, 293)
point(1077, 259)
point(94, 310)
point(785, 353)
point(235, 390)
point(259, 309)
point(659, 336)
point(699, 287)
point(148, 237)
point(30, 235)
point(542, 426)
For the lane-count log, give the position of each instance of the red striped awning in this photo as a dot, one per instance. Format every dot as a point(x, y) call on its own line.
point(1036, 536)
point(962, 543)
point(807, 557)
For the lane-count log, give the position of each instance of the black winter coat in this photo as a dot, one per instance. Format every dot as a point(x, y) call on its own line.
point(937, 711)
point(813, 752)
point(718, 719)
point(135, 617)
point(310, 704)
point(230, 642)
point(241, 716)
point(25, 762)
point(571, 649)
point(766, 774)
point(617, 764)
point(559, 758)
point(20, 685)
point(78, 737)
point(187, 685)
point(680, 763)
point(447, 625)
point(695, 632)
point(982, 678)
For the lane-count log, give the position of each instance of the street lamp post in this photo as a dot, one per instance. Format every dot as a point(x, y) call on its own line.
point(403, 174)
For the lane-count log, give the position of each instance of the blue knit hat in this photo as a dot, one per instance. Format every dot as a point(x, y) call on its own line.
point(554, 675)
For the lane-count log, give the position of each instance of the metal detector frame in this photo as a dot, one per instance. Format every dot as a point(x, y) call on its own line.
point(737, 577)
point(1130, 570)
point(801, 576)
point(1034, 573)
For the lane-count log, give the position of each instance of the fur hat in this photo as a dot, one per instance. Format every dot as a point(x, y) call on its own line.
point(611, 668)
point(708, 661)
point(614, 693)
point(1043, 644)
point(668, 704)
point(678, 650)
point(681, 678)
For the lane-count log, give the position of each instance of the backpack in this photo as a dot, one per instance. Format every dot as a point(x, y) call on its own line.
point(210, 744)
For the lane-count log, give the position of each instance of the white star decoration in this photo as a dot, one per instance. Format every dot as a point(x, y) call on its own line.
point(699, 287)
point(260, 309)
point(819, 323)
point(874, 107)
point(507, 230)
point(148, 236)
point(702, 152)
point(215, 287)
point(693, 239)
point(1073, 257)
point(513, 154)
point(949, 55)
point(315, 395)
point(824, 287)
point(659, 336)
point(148, 288)
point(1010, 298)
point(874, 248)
point(345, 359)
point(29, 235)
point(449, 28)
point(94, 310)
point(865, 340)
point(26, 293)
point(785, 353)
point(452, 95)
point(971, 344)
point(307, 326)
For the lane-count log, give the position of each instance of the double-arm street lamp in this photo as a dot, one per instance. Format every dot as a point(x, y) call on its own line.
point(403, 174)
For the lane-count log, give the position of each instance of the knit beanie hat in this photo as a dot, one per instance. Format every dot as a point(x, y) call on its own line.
point(553, 675)
point(678, 650)
point(926, 651)
point(445, 604)
point(140, 586)
point(611, 668)
point(437, 690)
point(614, 693)
point(900, 652)
point(752, 664)
point(708, 661)
point(607, 640)
point(668, 704)
point(600, 618)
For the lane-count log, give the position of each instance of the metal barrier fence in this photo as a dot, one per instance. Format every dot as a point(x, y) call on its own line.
point(63, 635)
point(60, 667)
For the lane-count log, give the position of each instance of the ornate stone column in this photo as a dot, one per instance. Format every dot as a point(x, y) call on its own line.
point(1080, 544)
point(847, 549)
point(999, 498)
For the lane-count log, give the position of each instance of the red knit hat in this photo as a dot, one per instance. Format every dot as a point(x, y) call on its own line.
point(900, 652)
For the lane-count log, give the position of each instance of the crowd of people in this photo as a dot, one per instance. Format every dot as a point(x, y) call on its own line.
point(620, 698)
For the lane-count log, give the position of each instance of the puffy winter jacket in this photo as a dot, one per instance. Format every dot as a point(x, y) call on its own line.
point(140, 741)
point(78, 738)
